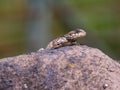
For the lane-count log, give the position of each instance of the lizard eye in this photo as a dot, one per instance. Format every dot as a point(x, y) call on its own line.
point(58, 44)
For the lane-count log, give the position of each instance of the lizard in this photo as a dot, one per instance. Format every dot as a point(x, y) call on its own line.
point(67, 40)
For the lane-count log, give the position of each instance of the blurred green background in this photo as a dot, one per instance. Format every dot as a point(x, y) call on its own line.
point(27, 25)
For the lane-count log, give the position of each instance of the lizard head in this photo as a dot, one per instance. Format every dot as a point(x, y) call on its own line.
point(79, 33)
point(75, 34)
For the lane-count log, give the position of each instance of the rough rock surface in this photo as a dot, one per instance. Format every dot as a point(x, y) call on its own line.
point(67, 68)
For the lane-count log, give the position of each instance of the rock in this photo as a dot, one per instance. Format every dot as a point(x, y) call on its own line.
point(77, 67)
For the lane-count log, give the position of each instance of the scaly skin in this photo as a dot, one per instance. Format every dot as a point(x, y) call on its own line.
point(67, 40)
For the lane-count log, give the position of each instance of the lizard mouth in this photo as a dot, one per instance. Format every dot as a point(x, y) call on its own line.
point(81, 32)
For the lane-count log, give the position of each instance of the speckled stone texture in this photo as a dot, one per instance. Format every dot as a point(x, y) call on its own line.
point(67, 68)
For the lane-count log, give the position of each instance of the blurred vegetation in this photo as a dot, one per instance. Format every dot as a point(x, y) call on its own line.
point(26, 23)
